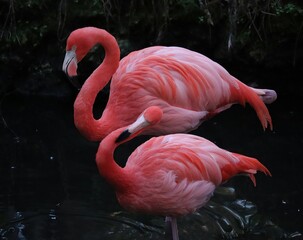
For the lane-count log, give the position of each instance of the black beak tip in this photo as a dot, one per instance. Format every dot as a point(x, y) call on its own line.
point(123, 136)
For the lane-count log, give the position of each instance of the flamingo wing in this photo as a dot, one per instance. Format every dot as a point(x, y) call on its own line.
point(176, 75)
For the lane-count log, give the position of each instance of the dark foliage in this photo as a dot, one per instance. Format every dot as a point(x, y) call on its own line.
point(33, 33)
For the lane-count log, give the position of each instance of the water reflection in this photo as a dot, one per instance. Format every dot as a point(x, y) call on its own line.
point(233, 219)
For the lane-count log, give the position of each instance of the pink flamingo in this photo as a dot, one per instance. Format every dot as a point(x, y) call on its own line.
point(186, 85)
point(170, 175)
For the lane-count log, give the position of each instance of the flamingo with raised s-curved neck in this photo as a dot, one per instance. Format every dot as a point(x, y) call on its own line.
point(186, 85)
point(170, 175)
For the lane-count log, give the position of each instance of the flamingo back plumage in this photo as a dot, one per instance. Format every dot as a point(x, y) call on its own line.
point(177, 79)
point(177, 174)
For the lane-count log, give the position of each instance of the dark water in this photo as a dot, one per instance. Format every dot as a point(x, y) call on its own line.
point(50, 187)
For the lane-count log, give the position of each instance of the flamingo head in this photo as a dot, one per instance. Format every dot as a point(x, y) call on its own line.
point(151, 116)
point(78, 45)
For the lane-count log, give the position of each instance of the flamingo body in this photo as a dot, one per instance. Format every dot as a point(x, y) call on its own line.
point(170, 175)
point(186, 85)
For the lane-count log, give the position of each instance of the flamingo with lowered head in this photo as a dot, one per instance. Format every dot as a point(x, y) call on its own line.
point(170, 175)
point(187, 86)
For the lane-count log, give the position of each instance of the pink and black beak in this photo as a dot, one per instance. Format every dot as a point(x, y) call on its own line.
point(69, 67)
point(123, 136)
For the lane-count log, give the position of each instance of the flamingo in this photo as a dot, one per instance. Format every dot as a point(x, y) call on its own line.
point(187, 86)
point(171, 175)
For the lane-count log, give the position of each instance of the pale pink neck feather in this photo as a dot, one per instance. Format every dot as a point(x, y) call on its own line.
point(91, 128)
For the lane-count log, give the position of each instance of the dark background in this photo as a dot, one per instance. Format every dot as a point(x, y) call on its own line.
point(49, 185)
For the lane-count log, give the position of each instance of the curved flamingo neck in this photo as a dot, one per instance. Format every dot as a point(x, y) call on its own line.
point(83, 107)
point(107, 166)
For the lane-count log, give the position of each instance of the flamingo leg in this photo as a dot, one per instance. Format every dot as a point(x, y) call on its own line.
point(171, 228)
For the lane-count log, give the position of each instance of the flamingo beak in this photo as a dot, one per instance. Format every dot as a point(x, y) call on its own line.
point(70, 66)
point(150, 116)
point(133, 129)
point(123, 136)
